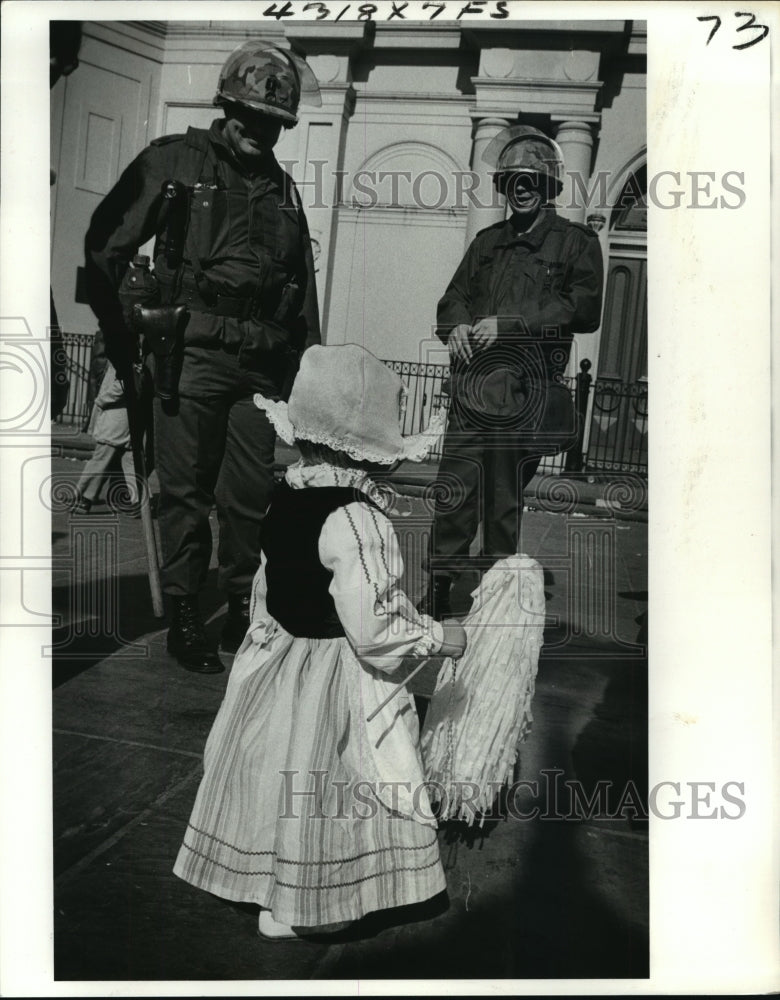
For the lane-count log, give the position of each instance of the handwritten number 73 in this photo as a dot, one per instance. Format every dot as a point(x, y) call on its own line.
point(750, 23)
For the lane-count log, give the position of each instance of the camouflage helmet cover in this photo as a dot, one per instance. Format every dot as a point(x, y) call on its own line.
point(524, 148)
point(267, 79)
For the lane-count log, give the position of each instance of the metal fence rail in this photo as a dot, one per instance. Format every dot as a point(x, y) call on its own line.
point(427, 393)
point(78, 352)
point(613, 413)
point(613, 417)
point(618, 428)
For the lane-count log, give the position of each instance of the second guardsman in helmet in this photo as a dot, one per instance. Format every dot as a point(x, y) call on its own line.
point(232, 247)
point(525, 286)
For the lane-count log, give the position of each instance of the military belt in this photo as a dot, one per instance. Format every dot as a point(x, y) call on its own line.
point(236, 307)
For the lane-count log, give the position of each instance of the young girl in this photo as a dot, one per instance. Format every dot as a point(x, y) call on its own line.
point(306, 807)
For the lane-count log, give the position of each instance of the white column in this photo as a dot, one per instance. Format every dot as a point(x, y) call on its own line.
point(576, 141)
point(321, 147)
point(486, 206)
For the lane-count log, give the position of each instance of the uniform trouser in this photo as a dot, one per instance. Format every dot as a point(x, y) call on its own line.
point(214, 445)
point(481, 477)
point(102, 463)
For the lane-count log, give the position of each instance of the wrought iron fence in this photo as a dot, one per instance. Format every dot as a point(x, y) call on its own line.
point(78, 352)
point(613, 414)
point(618, 427)
point(427, 394)
point(613, 418)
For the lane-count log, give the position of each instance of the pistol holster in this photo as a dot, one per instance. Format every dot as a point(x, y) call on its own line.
point(163, 329)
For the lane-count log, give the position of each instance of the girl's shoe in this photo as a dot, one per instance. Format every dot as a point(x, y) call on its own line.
point(273, 930)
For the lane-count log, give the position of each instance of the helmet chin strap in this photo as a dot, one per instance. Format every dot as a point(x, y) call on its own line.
point(524, 221)
point(250, 159)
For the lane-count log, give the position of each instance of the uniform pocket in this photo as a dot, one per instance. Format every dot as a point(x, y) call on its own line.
point(549, 274)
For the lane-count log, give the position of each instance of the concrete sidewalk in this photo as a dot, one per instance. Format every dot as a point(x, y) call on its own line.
point(526, 898)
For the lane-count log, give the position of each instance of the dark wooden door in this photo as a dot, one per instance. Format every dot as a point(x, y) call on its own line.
point(618, 431)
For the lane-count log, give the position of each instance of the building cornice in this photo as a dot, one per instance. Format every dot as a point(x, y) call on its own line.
point(560, 97)
point(416, 36)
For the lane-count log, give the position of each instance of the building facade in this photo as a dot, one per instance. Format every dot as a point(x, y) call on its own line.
point(390, 165)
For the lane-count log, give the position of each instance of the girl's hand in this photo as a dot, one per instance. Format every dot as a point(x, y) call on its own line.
point(454, 640)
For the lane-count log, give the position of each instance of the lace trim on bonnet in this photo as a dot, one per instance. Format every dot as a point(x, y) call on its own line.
point(415, 446)
point(277, 414)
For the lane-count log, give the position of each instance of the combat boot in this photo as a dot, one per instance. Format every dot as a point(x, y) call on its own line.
point(237, 622)
point(187, 639)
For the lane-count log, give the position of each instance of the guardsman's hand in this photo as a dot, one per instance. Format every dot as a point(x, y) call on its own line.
point(459, 344)
point(484, 333)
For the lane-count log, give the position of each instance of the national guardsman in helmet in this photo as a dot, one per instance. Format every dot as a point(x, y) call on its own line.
point(232, 306)
point(524, 288)
point(268, 80)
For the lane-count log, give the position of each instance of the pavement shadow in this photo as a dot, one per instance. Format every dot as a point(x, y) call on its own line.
point(641, 597)
point(380, 921)
point(613, 746)
point(114, 617)
point(581, 900)
point(574, 899)
point(565, 926)
point(549, 921)
point(573, 905)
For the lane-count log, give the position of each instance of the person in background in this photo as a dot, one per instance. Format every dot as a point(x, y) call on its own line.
point(110, 428)
point(524, 288)
point(236, 306)
point(98, 363)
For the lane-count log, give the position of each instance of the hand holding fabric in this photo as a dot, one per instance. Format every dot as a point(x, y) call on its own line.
point(484, 333)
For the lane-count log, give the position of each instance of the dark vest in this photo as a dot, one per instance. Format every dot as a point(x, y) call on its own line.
point(297, 582)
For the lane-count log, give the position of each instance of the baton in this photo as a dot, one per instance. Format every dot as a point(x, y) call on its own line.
point(139, 466)
point(398, 688)
point(446, 649)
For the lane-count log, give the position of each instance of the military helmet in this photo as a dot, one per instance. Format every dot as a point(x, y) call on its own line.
point(267, 79)
point(522, 148)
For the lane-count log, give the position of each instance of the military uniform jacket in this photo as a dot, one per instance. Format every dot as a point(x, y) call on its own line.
point(543, 285)
point(246, 241)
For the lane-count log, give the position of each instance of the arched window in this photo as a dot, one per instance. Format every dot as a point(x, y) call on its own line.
point(630, 211)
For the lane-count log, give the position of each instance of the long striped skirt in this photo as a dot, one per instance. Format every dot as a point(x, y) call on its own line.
point(287, 814)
